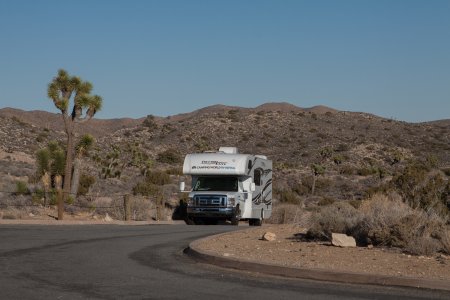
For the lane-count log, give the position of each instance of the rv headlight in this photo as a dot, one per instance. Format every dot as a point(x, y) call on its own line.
point(190, 201)
point(231, 201)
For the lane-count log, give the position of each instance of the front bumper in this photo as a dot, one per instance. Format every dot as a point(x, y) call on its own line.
point(211, 212)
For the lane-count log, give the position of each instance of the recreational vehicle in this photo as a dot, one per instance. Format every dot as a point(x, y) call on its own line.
point(227, 185)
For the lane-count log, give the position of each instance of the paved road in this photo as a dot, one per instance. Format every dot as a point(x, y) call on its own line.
point(145, 262)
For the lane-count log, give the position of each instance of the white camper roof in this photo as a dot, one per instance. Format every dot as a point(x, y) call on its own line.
point(216, 164)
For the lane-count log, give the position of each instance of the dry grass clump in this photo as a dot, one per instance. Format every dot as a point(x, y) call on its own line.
point(142, 209)
point(289, 214)
point(384, 220)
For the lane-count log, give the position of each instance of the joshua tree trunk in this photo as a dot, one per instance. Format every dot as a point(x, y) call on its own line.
point(68, 166)
point(75, 176)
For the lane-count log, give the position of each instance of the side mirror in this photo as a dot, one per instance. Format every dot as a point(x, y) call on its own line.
point(182, 186)
point(252, 187)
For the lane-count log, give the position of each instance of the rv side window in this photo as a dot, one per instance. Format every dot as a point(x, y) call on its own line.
point(257, 177)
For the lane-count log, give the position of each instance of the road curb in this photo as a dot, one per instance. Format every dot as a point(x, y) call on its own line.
point(86, 222)
point(315, 274)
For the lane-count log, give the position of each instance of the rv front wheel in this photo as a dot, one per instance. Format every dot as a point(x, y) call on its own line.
point(236, 216)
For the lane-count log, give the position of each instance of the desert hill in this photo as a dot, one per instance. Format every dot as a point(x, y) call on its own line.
point(358, 152)
point(52, 121)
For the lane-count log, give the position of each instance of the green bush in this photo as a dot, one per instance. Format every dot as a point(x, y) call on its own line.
point(86, 181)
point(21, 188)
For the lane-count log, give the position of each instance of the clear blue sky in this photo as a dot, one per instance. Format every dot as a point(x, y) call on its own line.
point(390, 58)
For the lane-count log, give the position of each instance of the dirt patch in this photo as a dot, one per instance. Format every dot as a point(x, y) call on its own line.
point(289, 250)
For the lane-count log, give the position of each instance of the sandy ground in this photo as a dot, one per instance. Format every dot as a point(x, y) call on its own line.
point(289, 250)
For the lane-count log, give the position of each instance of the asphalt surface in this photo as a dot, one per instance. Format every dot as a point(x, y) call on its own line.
point(146, 262)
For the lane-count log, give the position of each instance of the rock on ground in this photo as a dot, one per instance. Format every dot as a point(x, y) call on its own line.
point(342, 240)
point(269, 236)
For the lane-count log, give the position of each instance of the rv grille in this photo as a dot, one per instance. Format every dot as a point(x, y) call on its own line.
point(210, 200)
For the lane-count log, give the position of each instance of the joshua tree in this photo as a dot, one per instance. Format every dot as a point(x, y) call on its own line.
point(50, 163)
point(82, 149)
point(62, 90)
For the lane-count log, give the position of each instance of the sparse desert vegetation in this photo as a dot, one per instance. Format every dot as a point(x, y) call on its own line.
point(385, 182)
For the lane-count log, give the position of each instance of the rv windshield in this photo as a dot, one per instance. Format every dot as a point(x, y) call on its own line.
point(222, 183)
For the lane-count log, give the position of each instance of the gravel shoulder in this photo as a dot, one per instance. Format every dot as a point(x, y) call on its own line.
point(290, 251)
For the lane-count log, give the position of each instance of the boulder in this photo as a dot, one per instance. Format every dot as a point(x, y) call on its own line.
point(269, 236)
point(342, 240)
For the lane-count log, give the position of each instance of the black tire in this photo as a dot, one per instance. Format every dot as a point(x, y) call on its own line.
point(189, 221)
point(254, 222)
point(236, 216)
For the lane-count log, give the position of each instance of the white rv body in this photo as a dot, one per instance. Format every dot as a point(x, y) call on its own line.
point(228, 185)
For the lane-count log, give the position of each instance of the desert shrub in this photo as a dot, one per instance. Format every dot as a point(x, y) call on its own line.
point(175, 171)
point(355, 203)
point(342, 148)
point(346, 170)
point(339, 217)
point(366, 171)
point(86, 181)
point(288, 196)
point(388, 221)
point(169, 156)
point(158, 178)
point(325, 201)
point(303, 187)
point(383, 220)
point(70, 200)
point(326, 152)
point(423, 188)
point(41, 137)
point(146, 188)
point(150, 123)
point(21, 188)
point(38, 196)
point(338, 159)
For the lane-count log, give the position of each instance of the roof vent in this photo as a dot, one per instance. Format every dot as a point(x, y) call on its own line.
point(228, 150)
